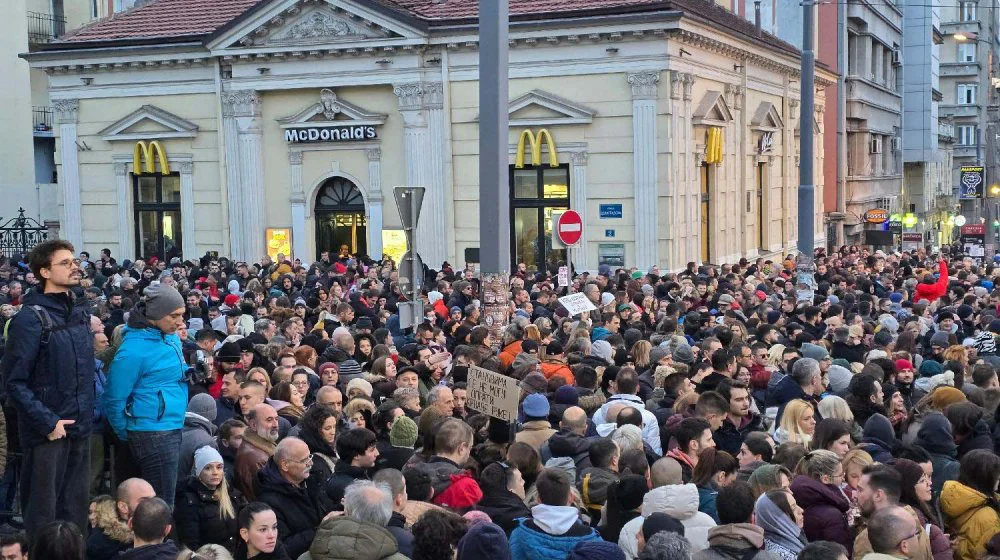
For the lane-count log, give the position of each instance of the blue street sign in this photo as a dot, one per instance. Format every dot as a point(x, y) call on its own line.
point(609, 233)
point(610, 211)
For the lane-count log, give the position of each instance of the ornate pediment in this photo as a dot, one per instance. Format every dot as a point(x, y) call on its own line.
point(332, 111)
point(541, 108)
point(313, 22)
point(766, 117)
point(149, 123)
point(713, 110)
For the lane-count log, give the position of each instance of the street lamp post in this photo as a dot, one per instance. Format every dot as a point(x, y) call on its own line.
point(806, 266)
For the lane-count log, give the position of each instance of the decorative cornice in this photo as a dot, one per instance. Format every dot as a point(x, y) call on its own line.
point(760, 57)
point(644, 84)
point(578, 158)
point(410, 96)
point(124, 66)
point(67, 110)
point(374, 154)
point(295, 157)
point(241, 103)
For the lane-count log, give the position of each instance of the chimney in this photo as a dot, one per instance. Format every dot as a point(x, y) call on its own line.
point(756, 15)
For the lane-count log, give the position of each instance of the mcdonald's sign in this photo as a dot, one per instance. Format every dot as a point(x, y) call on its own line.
point(536, 140)
point(149, 153)
point(713, 145)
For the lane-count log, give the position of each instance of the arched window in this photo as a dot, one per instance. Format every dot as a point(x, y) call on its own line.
point(340, 218)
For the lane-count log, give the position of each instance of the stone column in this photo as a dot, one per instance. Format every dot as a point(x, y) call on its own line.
point(644, 166)
point(692, 174)
point(434, 212)
point(578, 161)
point(126, 239)
point(189, 247)
point(375, 203)
point(297, 202)
point(244, 173)
point(676, 194)
point(417, 154)
point(67, 114)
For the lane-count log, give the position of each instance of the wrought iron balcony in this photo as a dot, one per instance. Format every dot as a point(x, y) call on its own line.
point(43, 28)
point(41, 119)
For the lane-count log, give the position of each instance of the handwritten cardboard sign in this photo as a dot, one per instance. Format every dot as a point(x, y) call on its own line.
point(492, 394)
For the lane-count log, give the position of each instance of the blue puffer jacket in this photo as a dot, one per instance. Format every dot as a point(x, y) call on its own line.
point(146, 390)
point(527, 541)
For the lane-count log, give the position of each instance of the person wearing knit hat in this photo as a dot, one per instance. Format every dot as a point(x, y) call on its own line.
point(930, 368)
point(566, 395)
point(534, 383)
point(815, 352)
point(199, 431)
point(882, 338)
point(942, 397)
point(403, 432)
point(602, 350)
point(146, 396)
point(474, 518)
point(683, 354)
point(360, 385)
point(659, 521)
point(201, 520)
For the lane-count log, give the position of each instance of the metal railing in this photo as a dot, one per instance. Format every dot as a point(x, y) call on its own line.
point(43, 28)
point(41, 119)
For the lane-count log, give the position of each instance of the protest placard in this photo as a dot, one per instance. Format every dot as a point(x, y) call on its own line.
point(492, 394)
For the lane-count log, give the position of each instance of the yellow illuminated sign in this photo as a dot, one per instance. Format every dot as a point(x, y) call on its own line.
point(278, 240)
point(713, 145)
point(536, 141)
point(148, 154)
point(393, 244)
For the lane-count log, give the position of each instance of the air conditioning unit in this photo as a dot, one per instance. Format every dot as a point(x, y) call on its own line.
point(875, 146)
point(897, 58)
point(897, 144)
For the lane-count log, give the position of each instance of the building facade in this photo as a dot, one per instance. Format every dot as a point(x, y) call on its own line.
point(671, 129)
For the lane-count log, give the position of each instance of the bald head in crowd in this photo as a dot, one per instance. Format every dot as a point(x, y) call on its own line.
point(128, 495)
point(574, 419)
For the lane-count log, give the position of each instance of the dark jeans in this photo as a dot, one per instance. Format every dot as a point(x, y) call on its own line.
point(55, 480)
point(157, 454)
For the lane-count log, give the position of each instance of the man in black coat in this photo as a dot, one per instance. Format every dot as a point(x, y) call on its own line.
point(357, 452)
point(281, 484)
point(48, 375)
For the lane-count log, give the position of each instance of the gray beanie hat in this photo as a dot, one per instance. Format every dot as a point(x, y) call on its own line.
point(162, 300)
point(203, 405)
point(684, 354)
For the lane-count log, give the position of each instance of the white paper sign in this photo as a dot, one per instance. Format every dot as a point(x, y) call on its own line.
point(577, 303)
point(563, 276)
point(492, 394)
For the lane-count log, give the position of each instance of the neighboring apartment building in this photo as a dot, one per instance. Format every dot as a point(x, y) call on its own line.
point(928, 136)
point(27, 165)
point(968, 61)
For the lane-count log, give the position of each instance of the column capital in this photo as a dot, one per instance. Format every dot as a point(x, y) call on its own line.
point(67, 110)
point(676, 84)
point(644, 84)
point(121, 168)
point(411, 96)
point(185, 167)
point(241, 103)
point(578, 158)
point(688, 85)
point(433, 95)
point(734, 94)
point(374, 154)
point(295, 157)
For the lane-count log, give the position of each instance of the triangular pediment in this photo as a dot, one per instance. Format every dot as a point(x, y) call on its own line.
point(712, 110)
point(149, 123)
point(541, 108)
point(330, 110)
point(766, 117)
point(314, 23)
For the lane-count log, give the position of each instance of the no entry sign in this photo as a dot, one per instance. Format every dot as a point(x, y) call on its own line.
point(569, 227)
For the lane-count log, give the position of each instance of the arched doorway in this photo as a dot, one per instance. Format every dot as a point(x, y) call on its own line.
point(340, 218)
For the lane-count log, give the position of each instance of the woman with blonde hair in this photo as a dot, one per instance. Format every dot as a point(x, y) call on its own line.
point(836, 407)
point(109, 535)
point(854, 462)
point(259, 375)
point(798, 423)
point(205, 511)
point(775, 354)
point(817, 491)
point(531, 332)
point(640, 355)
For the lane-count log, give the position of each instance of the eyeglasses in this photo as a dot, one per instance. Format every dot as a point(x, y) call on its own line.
point(68, 263)
point(908, 537)
point(306, 461)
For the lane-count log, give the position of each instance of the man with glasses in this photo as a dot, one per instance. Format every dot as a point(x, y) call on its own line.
point(48, 372)
point(894, 534)
point(879, 491)
point(283, 485)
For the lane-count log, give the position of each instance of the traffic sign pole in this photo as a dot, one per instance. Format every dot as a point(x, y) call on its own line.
point(568, 228)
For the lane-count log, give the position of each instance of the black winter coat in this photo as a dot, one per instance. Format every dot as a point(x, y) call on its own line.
point(503, 507)
point(198, 519)
point(54, 384)
point(343, 475)
point(165, 551)
point(299, 512)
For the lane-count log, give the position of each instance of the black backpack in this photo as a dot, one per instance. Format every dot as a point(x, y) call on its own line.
point(735, 553)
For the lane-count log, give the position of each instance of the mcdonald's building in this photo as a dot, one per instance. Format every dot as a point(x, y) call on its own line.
point(250, 127)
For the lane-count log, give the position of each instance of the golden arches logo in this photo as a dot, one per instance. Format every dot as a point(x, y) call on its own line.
point(713, 145)
point(149, 153)
point(536, 141)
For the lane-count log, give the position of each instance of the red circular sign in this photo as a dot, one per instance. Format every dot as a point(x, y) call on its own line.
point(569, 228)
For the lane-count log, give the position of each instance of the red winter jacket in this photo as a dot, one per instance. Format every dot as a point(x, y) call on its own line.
point(931, 292)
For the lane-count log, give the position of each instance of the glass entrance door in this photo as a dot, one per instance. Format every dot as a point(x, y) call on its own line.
point(537, 192)
point(341, 218)
point(157, 216)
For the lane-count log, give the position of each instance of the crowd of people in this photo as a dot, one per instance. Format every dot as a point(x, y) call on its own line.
point(212, 409)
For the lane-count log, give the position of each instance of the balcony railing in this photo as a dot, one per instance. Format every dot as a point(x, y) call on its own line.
point(41, 119)
point(43, 28)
